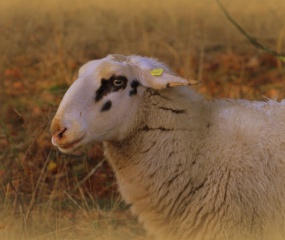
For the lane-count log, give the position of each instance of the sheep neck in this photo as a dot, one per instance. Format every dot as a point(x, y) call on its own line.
point(152, 162)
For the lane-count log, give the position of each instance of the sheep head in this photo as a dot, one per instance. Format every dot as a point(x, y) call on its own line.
point(102, 102)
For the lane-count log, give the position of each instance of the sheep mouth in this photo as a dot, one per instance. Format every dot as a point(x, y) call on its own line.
point(71, 146)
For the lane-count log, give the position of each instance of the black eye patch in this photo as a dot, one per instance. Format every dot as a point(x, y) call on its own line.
point(110, 85)
point(134, 85)
point(106, 106)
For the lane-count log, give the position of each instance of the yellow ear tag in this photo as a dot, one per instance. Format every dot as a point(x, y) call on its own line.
point(156, 72)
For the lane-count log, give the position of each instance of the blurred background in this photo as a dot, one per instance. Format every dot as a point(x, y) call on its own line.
point(48, 195)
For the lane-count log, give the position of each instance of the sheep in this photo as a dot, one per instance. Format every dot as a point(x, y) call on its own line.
point(190, 168)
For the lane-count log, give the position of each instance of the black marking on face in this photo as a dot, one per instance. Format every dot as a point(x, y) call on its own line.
point(113, 84)
point(177, 111)
point(134, 85)
point(106, 106)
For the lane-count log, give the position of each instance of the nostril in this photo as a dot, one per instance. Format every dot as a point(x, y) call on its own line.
point(60, 134)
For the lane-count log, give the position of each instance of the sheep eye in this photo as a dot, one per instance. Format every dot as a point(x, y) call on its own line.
point(118, 82)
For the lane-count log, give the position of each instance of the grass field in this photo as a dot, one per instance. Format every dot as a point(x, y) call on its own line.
point(48, 195)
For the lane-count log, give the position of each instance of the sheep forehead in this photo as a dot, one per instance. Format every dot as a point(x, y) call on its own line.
point(87, 67)
point(110, 68)
point(104, 69)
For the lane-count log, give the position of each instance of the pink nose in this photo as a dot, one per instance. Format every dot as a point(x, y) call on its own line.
point(58, 136)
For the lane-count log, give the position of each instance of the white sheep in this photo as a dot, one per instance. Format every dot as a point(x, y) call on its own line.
point(190, 168)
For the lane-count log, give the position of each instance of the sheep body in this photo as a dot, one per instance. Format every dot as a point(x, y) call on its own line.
point(197, 169)
point(216, 172)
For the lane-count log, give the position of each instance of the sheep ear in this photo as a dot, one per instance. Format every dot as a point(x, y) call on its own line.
point(158, 79)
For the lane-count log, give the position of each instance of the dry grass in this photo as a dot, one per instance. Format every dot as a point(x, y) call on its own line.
point(45, 194)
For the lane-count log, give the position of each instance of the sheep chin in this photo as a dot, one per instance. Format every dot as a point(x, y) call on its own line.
point(73, 147)
point(76, 151)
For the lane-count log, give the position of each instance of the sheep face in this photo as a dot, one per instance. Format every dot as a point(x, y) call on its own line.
point(101, 104)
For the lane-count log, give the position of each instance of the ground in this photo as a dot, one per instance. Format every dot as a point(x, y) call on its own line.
point(45, 194)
